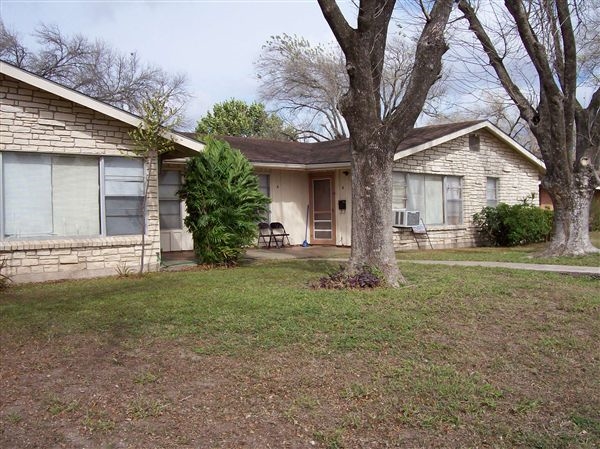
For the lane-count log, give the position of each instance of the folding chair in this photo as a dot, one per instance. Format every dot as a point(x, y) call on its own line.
point(264, 234)
point(420, 229)
point(279, 235)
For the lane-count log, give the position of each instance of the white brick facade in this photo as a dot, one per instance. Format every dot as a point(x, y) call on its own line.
point(517, 178)
point(35, 121)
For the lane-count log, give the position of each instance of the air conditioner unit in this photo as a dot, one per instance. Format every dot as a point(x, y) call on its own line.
point(403, 218)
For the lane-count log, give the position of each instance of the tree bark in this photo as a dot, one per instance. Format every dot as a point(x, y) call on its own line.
point(375, 138)
point(567, 134)
point(372, 243)
point(570, 236)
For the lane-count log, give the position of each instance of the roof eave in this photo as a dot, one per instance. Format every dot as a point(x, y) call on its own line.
point(302, 167)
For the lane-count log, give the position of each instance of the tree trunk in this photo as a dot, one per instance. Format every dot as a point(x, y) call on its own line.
point(372, 242)
point(570, 236)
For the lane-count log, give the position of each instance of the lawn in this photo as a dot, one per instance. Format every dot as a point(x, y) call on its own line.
point(253, 357)
point(517, 254)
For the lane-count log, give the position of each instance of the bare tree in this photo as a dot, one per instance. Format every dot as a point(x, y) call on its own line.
point(92, 68)
point(11, 48)
point(374, 137)
point(307, 83)
point(568, 133)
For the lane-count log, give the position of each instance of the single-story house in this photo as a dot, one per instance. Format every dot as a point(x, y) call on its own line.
point(71, 189)
point(445, 172)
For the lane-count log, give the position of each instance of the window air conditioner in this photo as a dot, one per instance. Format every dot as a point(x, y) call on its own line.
point(406, 218)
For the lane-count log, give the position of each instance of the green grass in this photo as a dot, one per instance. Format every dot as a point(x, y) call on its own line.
point(516, 254)
point(460, 356)
point(265, 306)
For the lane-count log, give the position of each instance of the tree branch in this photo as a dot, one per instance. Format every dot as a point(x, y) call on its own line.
point(527, 111)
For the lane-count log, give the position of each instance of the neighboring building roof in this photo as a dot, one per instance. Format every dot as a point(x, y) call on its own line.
point(83, 100)
point(336, 153)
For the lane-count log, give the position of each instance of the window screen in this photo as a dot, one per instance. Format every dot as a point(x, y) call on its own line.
point(453, 199)
point(437, 198)
point(27, 181)
point(50, 195)
point(169, 182)
point(264, 185)
point(398, 190)
point(123, 191)
point(491, 192)
point(75, 196)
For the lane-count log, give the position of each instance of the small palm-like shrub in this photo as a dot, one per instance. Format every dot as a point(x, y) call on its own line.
point(223, 203)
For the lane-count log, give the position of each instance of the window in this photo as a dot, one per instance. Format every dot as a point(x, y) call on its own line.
point(264, 185)
point(123, 195)
point(398, 190)
point(491, 192)
point(438, 198)
point(169, 182)
point(474, 142)
point(44, 195)
point(50, 195)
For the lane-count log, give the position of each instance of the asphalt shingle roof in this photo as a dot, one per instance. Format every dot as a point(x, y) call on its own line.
point(331, 152)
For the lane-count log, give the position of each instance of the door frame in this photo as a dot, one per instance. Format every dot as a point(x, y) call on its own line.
point(315, 177)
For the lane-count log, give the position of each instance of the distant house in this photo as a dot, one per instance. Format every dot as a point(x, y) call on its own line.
point(446, 172)
point(70, 189)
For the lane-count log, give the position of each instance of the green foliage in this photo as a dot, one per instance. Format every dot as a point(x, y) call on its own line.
point(519, 224)
point(238, 118)
point(157, 120)
point(151, 139)
point(223, 203)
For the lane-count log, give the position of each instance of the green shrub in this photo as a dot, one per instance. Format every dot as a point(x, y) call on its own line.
point(223, 203)
point(519, 224)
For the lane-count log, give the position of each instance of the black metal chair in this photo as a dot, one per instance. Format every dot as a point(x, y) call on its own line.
point(279, 235)
point(265, 236)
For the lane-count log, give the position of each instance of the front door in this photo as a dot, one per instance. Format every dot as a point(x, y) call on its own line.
point(322, 209)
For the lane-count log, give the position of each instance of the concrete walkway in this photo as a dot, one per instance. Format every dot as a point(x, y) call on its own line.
point(337, 254)
point(568, 269)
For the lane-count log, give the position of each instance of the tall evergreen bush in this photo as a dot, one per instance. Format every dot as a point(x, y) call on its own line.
point(223, 201)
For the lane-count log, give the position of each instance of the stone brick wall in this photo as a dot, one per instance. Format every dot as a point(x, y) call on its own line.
point(32, 120)
point(517, 178)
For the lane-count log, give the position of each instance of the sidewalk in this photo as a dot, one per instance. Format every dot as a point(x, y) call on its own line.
point(342, 254)
point(568, 269)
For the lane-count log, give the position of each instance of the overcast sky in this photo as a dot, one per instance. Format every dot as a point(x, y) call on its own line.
point(214, 43)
